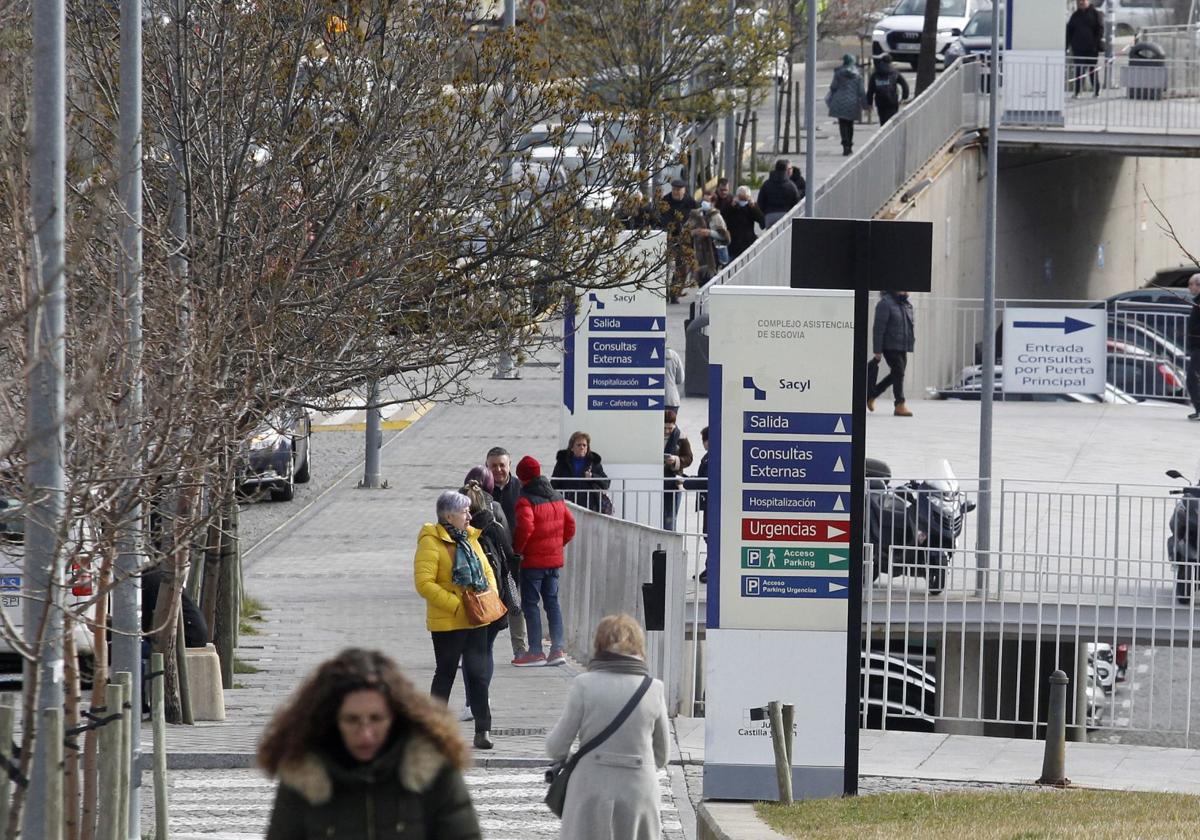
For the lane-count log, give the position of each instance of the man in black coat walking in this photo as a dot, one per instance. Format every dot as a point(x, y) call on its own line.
point(1085, 38)
point(778, 194)
point(892, 339)
point(886, 89)
point(1193, 347)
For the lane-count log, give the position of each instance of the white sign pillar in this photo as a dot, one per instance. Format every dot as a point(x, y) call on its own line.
point(1034, 62)
point(785, 467)
point(613, 389)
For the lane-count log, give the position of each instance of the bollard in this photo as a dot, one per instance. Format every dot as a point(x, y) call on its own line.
point(52, 731)
point(1054, 765)
point(788, 715)
point(111, 738)
point(159, 716)
point(783, 767)
point(125, 681)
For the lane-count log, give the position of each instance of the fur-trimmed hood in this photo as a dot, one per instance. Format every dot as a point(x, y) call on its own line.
point(416, 760)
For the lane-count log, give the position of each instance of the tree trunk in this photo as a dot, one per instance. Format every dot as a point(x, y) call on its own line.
point(91, 767)
point(71, 816)
point(927, 60)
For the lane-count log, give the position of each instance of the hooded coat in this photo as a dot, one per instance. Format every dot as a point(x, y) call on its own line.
point(410, 791)
point(777, 194)
point(893, 328)
point(846, 95)
point(544, 525)
point(433, 574)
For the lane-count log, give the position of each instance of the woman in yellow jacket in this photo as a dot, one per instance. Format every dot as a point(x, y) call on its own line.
point(450, 559)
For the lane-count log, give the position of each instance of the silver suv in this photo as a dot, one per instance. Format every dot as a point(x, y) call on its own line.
point(900, 32)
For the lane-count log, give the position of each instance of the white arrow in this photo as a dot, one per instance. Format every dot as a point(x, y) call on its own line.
point(654, 324)
point(840, 427)
point(837, 558)
point(651, 382)
point(839, 466)
point(838, 504)
point(836, 587)
point(654, 353)
point(652, 402)
point(832, 531)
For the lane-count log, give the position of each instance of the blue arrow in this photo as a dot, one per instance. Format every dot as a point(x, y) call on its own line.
point(1068, 325)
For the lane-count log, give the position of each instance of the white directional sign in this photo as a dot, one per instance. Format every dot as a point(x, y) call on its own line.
point(1054, 351)
point(781, 419)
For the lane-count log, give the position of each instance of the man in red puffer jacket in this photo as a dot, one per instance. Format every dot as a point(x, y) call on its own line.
point(543, 527)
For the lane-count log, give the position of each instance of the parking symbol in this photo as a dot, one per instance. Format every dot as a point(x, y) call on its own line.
point(754, 557)
point(750, 586)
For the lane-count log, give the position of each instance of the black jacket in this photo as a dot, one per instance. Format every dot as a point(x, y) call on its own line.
point(673, 213)
point(1193, 326)
point(586, 492)
point(507, 497)
point(195, 628)
point(777, 194)
point(740, 221)
point(1085, 32)
point(893, 328)
point(700, 485)
point(497, 545)
point(886, 87)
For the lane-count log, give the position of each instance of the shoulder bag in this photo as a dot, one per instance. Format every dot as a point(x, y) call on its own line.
point(483, 607)
point(560, 773)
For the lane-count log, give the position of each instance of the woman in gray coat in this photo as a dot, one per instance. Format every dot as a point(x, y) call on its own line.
point(846, 99)
point(613, 793)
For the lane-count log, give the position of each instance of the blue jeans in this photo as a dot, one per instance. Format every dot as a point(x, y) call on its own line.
point(535, 584)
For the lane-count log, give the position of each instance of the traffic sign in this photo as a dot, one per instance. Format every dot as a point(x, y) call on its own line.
point(794, 501)
point(1055, 351)
point(626, 351)
point(761, 586)
point(624, 381)
point(538, 11)
point(795, 462)
point(791, 559)
point(796, 530)
point(626, 323)
point(625, 402)
point(796, 423)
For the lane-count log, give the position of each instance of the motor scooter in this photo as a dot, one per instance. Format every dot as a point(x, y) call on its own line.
point(1183, 543)
point(913, 527)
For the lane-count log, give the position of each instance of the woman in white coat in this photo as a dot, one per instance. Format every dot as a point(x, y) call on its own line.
point(613, 793)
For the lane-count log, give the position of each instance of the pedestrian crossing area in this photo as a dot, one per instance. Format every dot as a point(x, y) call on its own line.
point(236, 804)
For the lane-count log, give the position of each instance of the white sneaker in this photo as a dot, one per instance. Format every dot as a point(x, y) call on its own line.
point(466, 714)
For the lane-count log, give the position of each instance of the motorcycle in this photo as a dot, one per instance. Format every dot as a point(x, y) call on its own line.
point(914, 526)
point(1183, 544)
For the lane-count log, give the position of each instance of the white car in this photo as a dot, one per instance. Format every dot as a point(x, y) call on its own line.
point(900, 32)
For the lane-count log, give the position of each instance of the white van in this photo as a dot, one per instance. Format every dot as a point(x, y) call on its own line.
point(1131, 16)
point(900, 32)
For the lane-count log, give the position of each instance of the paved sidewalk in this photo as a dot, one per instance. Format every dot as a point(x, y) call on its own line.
point(342, 576)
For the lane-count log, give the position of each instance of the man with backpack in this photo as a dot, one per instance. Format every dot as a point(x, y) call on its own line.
point(886, 89)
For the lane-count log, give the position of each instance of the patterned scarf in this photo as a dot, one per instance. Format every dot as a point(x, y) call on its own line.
point(468, 568)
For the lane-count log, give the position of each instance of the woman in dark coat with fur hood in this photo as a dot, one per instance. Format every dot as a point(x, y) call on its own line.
point(359, 752)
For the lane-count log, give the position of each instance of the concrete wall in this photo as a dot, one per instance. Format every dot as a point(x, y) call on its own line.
point(1069, 227)
point(606, 565)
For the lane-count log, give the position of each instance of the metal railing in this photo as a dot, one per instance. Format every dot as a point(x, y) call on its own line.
point(866, 181)
point(1121, 94)
point(1145, 356)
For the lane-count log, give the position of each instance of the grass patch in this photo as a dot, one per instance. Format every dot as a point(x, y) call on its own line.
point(239, 685)
point(252, 608)
point(1001, 815)
point(248, 628)
point(240, 666)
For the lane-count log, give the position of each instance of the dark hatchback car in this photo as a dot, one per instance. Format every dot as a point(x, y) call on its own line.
point(276, 456)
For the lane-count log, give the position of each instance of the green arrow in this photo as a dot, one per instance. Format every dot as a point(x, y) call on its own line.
point(795, 559)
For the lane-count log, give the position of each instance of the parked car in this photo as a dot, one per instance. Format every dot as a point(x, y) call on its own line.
point(900, 32)
point(1144, 375)
point(893, 686)
point(973, 39)
point(1122, 375)
point(276, 456)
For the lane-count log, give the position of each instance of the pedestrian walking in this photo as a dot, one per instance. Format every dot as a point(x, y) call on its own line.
point(722, 197)
point(673, 212)
point(886, 89)
point(778, 194)
point(892, 339)
point(579, 475)
point(672, 379)
point(845, 100)
point(677, 457)
point(613, 792)
point(709, 237)
point(793, 173)
point(544, 526)
point(699, 483)
point(1085, 42)
point(449, 561)
point(740, 219)
point(1193, 347)
point(505, 489)
point(360, 752)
